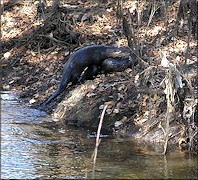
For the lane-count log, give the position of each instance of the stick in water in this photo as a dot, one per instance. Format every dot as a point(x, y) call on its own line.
point(98, 140)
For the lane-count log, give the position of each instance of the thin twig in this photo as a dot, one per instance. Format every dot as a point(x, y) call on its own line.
point(145, 63)
point(187, 48)
point(153, 10)
point(98, 140)
point(53, 39)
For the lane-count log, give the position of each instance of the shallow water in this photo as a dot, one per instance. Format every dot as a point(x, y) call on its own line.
point(33, 145)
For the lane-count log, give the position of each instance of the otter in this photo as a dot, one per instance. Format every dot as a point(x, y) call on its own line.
point(89, 57)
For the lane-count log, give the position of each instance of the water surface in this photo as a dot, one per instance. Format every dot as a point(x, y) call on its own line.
point(33, 145)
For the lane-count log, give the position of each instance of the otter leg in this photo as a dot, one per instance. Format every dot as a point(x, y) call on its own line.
point(75, 78)
point(89, 73)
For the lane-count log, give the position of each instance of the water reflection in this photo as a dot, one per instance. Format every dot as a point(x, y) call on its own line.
point(35, 146)
point(128, 160)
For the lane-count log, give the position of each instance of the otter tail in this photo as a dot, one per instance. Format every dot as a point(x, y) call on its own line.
point(64, 81)
point(54, 95)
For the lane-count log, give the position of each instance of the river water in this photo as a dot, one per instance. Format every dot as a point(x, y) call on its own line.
point(33, 145)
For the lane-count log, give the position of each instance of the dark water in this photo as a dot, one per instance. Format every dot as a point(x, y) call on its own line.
point(35, 146)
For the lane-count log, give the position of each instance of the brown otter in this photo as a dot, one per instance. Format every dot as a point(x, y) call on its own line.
point(85, 58)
